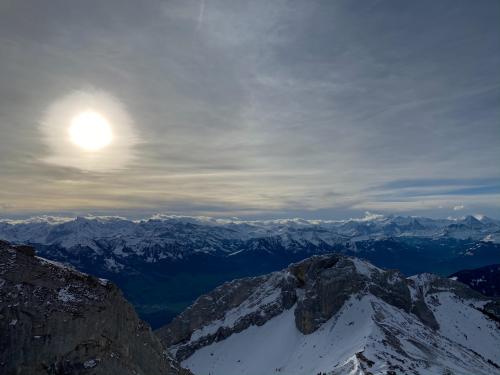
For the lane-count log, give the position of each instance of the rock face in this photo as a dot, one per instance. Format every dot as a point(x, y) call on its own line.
point(54, 320)
point(338, 315)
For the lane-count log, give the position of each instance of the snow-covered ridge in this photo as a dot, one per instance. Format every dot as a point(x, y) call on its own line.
point(301, 321)
point(51, 229)
point(369, 217)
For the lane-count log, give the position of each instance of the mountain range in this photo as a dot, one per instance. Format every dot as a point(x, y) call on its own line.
point(175, 237)
point(164, 263)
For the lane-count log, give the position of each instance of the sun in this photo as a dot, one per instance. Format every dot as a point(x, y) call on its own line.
point(90, 131)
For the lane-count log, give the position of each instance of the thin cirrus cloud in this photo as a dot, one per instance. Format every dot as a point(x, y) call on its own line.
point(434, 187)
point(258, 109)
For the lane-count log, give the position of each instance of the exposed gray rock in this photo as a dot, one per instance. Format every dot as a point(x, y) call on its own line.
point(492, 310)
point(54, 320)
point(327, 281)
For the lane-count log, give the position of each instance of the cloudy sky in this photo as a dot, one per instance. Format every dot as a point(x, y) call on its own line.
point(319, 109)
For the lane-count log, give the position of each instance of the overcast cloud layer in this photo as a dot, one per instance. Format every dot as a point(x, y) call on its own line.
point(318, 109)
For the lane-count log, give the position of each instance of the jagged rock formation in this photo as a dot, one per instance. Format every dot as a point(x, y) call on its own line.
point(338, 315)
point(54, 320)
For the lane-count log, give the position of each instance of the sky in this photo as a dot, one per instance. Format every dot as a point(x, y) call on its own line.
point(255, 109)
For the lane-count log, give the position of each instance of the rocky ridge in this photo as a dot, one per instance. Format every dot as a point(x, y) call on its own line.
point(418, 325)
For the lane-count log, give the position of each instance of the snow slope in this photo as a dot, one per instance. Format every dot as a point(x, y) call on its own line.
point(356, 332)
point(279, 345)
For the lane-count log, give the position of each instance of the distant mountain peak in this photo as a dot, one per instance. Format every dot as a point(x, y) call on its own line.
point(471, 219)
point(119, 237)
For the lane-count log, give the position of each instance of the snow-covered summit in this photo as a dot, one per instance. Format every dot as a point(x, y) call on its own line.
point(338, 315)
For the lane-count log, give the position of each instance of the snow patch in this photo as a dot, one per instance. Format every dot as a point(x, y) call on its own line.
point(364, 268)
point(66, 296)
point(91, 363)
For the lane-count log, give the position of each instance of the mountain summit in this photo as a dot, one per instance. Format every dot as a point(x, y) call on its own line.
point(338, 315)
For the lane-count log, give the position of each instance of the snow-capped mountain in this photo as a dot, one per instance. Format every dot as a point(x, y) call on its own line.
point(174, 237)
point(333, 314)
point(163, 263)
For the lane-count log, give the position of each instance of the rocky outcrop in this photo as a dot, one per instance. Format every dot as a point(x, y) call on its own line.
point(54, 320)
point(326, 283)
point(329, 281)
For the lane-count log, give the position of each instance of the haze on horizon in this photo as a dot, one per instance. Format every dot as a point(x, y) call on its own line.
point(255, 109)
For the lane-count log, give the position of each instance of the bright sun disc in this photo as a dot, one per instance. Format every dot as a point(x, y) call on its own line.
point(90, 131)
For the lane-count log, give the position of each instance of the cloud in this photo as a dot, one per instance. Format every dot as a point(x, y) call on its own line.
point(369, 216)
point(459, 207)
point(261, 108)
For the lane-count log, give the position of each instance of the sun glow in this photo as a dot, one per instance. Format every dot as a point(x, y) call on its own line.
point(90, 131)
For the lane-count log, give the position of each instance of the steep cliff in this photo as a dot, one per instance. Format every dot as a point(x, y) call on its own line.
point(54, 320)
